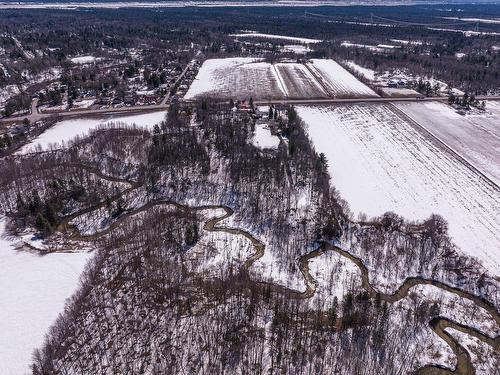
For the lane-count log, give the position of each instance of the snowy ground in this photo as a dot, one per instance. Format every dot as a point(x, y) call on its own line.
point(336, 276)
point(365, 72)
point(263, 137)
point(296, 48)
point(66, 130)
point(269, 269)
point(399, 92)
point(339, 81)
point(299, 82)
point(408, 42)
point(281, 37)
point(33, 290)
point(81, 104)
point(83, 59)
point(467, 33)
point(482, 20)
point(8, 92)
point(358, 45)
point(380, 162)
point(238, 78)
point(245, 77)
point(475, 137)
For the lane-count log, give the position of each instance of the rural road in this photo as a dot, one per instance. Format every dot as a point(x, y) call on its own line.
point(35, 115)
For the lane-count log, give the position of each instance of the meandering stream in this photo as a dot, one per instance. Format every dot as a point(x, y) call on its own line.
point(438, 325)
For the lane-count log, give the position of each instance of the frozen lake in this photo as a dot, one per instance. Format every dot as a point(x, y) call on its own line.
point(33, 291)
point(33, 288)
point(66, 130)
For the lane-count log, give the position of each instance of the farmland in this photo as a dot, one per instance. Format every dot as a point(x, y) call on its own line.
point(236, 77)
point(475, 136)
point(339, 81)
point(381, 162)
point(249, 190)
point(299, 81)
point(243, 77)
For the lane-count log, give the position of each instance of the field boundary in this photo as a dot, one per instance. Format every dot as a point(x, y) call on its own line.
point(319, 79)
point(443, 144)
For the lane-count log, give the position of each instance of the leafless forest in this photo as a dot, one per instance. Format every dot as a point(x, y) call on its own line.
point(181, 217)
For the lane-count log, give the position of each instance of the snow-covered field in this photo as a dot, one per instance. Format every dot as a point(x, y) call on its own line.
point(339, 81)
point(299, 82)
point(467, 33)
point(245, 77)
point(475, 137)
point(358, 45)
point(83, 59)
point(66, 130)
point(482, 20)
point(81, 104)
point(365, 72)
point(296, 48)
point(399, 92)
point(408, 42)
point(281, 37)
point(238, 78)
point(379, 161)
point(33, 290)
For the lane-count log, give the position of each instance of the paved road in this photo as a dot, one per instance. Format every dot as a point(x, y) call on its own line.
point(163, 106)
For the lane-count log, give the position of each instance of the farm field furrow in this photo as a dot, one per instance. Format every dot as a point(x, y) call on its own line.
point(239, 78)
point(381, 162)
point(475, 137)
point(338, 80)
point(244, 77)
point(299, 81)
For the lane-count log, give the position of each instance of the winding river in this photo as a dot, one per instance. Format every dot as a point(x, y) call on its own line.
point(438, 324)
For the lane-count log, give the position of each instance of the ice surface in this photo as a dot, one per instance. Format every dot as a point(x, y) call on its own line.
point(33, 290)
point(66, 130)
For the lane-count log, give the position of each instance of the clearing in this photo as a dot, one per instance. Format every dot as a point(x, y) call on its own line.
point(299, 82)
